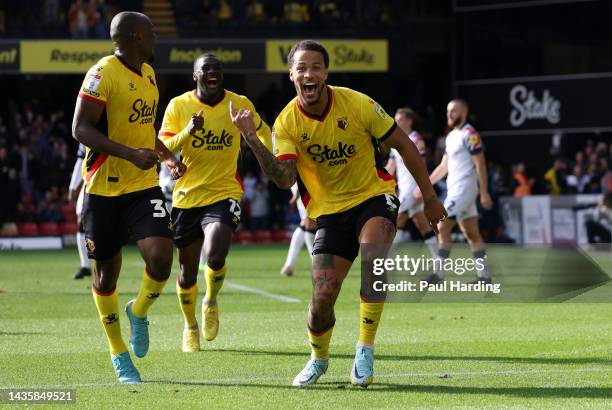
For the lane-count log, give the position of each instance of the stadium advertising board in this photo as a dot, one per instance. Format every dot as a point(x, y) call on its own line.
point(236, 56)
point(536, 220)
point(540, 105)
point(176, 56)
point(344, 55)
point(62, 56)
point(541, 220)
point(9, 56)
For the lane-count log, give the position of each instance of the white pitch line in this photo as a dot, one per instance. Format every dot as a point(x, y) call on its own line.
point(261, 292)
point(243, 380)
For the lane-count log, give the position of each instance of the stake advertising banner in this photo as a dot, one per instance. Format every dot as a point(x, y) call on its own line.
point(540, 105)
point(344, 55)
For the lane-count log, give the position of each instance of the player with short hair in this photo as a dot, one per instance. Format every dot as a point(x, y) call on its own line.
point(326, 138)
point(76, 191)
point(304, 233)
point(206, 201)
point(410, 207)
point(464, 163)
point(114, 118)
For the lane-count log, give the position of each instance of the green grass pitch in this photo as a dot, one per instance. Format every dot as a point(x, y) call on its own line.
point(553, 355)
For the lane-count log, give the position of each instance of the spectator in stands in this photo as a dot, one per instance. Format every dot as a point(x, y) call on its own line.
point(48, 209)
point(97, 13)
point(596, 169)
point(606, 180)
point(78, 18)
point(601, 149)
point(555, 178)
point(255, 12)
point(224, 11)
point(600, 227)
point(588, 149)
point(522, 185)
point(296, 12)
point(11, 193)
point(498, 184)
point(4, 164)
point(579, 159)
point(259, 206)
point(328, 11)
point(577, 181)
point(26, 209)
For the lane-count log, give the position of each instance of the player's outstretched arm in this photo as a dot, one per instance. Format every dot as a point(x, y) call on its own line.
point(283, 173)
point(434, 210)
point(86, 115)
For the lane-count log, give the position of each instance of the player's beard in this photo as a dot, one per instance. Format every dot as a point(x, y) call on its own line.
point(455, 123)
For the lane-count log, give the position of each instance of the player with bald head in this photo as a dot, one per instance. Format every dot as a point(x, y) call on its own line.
point(465, 168)
point(133, 36)
point(206, 202)
point(114, 118)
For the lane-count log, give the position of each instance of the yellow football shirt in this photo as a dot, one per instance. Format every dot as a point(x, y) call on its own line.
point(130, 99)
point(336, 153)
point(211, 154)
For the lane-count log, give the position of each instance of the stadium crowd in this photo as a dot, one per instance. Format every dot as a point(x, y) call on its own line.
point(91, 18)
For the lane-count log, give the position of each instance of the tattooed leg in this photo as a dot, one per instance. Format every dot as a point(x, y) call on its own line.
point(328, 272)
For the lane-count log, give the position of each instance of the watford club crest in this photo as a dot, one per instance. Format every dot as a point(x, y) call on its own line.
point(342, 123)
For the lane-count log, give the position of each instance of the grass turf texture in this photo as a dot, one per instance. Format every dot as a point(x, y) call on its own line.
point(427, 355)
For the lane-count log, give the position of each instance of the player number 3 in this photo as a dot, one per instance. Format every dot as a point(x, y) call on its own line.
point(158, 205)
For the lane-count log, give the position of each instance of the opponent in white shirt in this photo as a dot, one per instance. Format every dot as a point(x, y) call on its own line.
point(304, 233)
point(410, 207)
point(75, 193)
point(464, 162)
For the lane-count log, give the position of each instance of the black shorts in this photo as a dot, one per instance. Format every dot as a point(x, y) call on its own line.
point(110, 221)
point(189, 223)
point(338, 234)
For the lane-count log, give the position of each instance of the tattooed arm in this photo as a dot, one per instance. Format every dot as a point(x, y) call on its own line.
point(283, 173)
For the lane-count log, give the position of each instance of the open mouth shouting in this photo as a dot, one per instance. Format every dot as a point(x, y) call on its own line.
point(212, 84)
point(309, 91)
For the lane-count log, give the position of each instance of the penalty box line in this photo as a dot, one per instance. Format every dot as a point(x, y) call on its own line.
point(242, 380)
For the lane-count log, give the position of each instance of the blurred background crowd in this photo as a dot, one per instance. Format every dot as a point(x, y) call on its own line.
point(37, 154)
